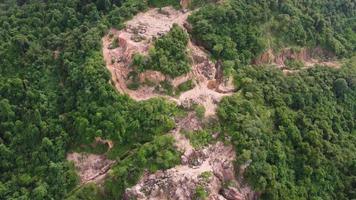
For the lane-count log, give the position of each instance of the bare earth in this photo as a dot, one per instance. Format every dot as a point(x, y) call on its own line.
point(309, 57)
point(149, 25)
point(91, 167)
point(180, 182)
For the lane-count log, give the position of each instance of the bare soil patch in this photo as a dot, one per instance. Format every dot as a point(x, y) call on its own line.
point(309, 58)
point(90, 167)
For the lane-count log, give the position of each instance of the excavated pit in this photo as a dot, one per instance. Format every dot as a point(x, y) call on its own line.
point(137, 37)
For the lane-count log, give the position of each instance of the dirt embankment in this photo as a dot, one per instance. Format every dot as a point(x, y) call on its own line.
point(309, 57)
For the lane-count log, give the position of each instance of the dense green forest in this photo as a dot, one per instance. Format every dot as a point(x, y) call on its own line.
point(242, 29)
point(297, 131)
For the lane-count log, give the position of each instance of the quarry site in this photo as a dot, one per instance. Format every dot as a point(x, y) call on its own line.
point(210, 167)
point(138, 36)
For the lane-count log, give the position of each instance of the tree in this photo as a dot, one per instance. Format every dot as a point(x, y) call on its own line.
point(340, 87)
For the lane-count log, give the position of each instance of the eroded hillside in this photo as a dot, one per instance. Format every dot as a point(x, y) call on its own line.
point(137, 38)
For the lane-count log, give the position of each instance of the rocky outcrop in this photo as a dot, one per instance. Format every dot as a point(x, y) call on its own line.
point(209, 168)
point(232, 193)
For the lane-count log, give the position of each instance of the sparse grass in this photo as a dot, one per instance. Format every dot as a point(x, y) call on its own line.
point(294, 64)
point(133, 86)
point(188, 85)
point(200, 193)
point(205, 176)
point(200, 111)
point(167, 87)
point(199, 139)
point(163, 3)
point(114, 44)
point(134, 83)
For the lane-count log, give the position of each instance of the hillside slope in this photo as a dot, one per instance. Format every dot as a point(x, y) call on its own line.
point(132, 99)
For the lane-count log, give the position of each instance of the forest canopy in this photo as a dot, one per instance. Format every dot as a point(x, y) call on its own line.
point(242, 29)
point(297, 132)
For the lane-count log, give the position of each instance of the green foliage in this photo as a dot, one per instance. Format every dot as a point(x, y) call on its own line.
point(200, 138)
point(199, 3)
point(114, 44)
point(169, 54)
point(126, 10)
point(294, 64)
point(163, 3)
point(205, 176)
point(296, 130)
point(200, 111)
point(242, 29)
point(158, 154)
point(188, 85)
point(200, 193)
point(340, 87)
point(87, 192)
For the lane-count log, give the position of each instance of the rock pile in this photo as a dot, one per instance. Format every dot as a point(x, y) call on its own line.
point(210, 168)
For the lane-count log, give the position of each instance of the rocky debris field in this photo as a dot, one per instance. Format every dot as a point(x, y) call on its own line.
point(210, 169)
